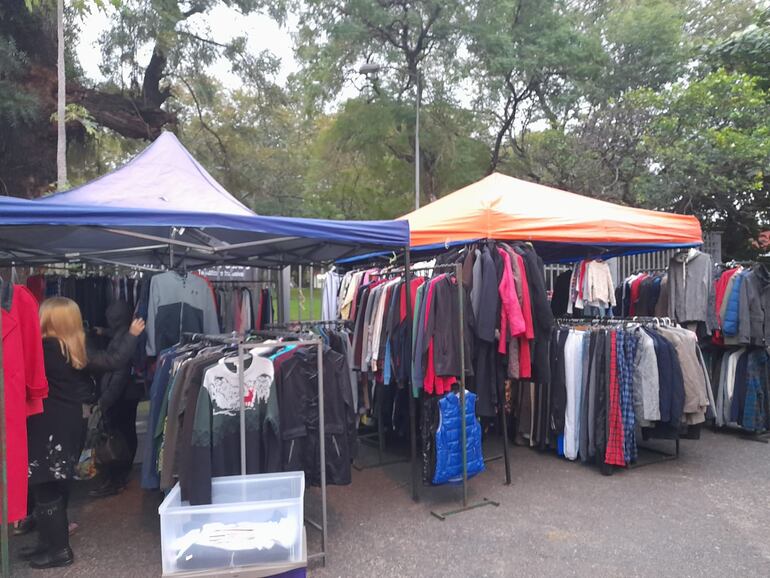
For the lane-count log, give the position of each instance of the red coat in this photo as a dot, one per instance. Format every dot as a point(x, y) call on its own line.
point(25, 386)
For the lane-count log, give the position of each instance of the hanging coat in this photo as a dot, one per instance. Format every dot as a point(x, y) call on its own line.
point(25, 385)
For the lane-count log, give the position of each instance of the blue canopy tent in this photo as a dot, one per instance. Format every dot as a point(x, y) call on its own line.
point(38, 231)
point(163, 207)
point(164, 176)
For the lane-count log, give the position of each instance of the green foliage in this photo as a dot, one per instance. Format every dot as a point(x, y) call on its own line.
point(362, 161)
point(747, 50)
point(654, 103)
point(711, 149)
point(79, 114)
point(17, 106)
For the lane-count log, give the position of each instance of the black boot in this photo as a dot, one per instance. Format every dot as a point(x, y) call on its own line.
point(43, 539)
point(54, 519)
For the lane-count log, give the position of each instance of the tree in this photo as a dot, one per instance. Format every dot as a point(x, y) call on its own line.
point(406, 38)
point(136, 109)
point(711, 155)
point(746, 50)
point(254, 141)
point(359, 163)
point(528, 58)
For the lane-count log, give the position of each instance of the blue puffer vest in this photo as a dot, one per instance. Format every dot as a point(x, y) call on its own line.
point(449, 458)
point(730, 322)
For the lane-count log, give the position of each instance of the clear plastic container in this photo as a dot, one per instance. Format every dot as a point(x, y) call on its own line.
point(252, 520)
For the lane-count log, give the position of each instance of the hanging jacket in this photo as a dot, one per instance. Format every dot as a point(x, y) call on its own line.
point(541, 311)
point(297, 386)
point(178, 303)
point(689, 285)
point(731, 318)
point(754, 305)
point(26, 386)
point(449, 457)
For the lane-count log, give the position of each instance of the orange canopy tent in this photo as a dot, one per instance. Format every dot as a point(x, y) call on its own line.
point(504, 208)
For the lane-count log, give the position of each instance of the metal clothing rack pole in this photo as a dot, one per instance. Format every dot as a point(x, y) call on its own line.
point(323, 526)
point(412, 402)
point(243, 281)
point(243, 350)
point(463, 425)
point(6, 562)
point(308, 324)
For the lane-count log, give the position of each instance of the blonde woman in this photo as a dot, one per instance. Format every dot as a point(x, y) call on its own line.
point(56, 437)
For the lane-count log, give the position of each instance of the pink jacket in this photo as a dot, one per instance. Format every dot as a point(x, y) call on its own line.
point(511, 318)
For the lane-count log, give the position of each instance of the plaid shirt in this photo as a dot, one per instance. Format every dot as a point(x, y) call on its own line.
point(755, 417)
point(614, 453)
point(625, 353)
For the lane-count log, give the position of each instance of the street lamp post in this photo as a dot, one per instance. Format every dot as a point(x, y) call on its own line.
point(372, 68)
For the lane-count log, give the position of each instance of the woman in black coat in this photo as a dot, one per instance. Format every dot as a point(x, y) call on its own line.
point(55, 437)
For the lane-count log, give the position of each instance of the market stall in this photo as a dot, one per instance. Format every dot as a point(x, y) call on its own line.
point(499, 231)
point(65, 230)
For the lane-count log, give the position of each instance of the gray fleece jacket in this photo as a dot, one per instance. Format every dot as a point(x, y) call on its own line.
point(689, 285)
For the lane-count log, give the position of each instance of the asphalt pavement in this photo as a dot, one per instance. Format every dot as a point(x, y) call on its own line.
point(707, 513)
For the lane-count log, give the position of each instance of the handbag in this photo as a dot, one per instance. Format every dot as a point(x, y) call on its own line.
point(109, 445)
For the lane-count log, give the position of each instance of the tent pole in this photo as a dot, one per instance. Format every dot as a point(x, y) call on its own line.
point(312, 301)
point(229, 247)
point(299, 294)
point(6, 563)
point(171, 255)
point(463, 425)
point(172, 241)
point(78, 255)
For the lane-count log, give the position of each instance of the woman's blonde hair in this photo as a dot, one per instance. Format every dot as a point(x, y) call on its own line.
point(60, 318)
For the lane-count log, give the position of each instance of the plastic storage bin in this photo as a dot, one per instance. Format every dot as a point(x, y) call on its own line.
point(253, 520)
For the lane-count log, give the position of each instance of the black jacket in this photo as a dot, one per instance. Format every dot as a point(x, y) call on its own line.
point(118, 383)
point(297, 387)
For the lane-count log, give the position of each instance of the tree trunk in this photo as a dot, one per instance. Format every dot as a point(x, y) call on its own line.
point(61, 82)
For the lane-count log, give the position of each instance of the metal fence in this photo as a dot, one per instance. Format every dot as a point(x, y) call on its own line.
point(622, 267)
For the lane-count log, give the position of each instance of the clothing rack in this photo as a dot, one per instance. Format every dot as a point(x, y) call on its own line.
point(244, 349)
point(309, 324)
point(457, 270)
point(652, 270)
point(663, 456)
point(380, 433)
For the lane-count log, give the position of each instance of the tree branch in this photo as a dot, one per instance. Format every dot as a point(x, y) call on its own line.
point(206, 126)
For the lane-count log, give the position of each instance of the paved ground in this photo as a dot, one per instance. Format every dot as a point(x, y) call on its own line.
point(707, 513)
